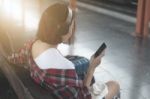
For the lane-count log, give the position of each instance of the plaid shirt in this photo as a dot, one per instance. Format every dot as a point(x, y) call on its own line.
point(61, 83)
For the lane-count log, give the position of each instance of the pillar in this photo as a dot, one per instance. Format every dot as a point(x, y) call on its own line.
point(143, 18)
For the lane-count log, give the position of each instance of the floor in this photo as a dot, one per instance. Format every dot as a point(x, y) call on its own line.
point(126, 59)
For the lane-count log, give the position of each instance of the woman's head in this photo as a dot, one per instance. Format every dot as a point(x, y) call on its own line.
point(55, 23)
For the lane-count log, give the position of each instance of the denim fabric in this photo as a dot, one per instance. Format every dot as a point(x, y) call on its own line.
point(81, 65)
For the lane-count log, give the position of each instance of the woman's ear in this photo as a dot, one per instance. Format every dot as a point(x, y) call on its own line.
point(64, 39)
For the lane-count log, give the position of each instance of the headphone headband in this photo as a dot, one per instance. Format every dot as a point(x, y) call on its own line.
point(70, 16)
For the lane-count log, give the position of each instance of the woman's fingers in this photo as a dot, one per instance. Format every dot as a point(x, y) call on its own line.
point(95, 61)
point(102, 54)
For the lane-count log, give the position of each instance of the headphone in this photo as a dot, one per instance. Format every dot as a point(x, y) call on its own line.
point(63, 28)
point(70, 16)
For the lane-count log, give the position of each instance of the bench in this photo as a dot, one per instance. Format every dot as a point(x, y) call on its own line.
point(19, 77)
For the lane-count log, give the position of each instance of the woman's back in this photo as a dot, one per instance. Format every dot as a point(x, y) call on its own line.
point(49, 57)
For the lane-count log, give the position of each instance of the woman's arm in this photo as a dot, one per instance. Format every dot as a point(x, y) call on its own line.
point(89, 76)
point(94, 62)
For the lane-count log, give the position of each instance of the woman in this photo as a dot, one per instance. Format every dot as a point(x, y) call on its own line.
point(50, 69)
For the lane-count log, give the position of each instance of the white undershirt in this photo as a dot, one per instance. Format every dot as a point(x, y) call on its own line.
point(52, 58)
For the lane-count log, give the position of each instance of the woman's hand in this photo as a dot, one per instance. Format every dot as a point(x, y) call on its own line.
point(95, 61)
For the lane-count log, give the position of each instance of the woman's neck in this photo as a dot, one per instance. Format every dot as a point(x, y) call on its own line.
point(48, 45)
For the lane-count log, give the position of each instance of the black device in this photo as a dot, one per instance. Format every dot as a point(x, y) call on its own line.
point(100, 50)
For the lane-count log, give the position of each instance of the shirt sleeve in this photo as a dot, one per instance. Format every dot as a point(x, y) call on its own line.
point(21, 56)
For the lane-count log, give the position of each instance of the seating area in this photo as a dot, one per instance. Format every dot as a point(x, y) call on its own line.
point(18, 77)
